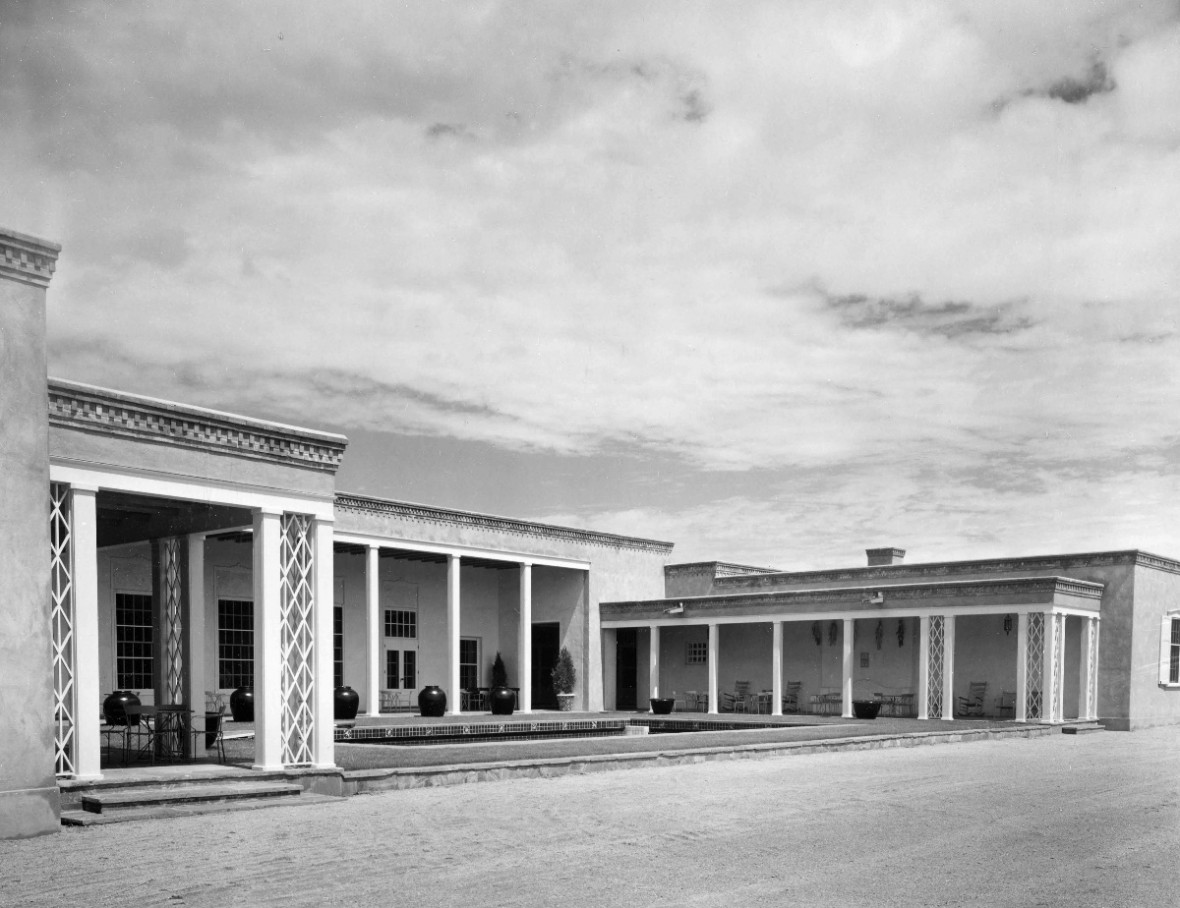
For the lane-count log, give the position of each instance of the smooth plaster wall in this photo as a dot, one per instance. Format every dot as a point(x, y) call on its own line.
point(29, 803)
point(1156, 593)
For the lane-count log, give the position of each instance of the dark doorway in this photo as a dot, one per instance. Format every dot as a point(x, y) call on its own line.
point(546, 646)
point(626, 667)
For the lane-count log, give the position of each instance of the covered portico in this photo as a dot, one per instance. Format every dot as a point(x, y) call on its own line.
point(128, 470)
point(947, 623)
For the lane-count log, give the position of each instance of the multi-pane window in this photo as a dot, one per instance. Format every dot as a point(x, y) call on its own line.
point(1174, 654)
point(400, 623)
point(407, 677)
point(469, 663)
point(235, 643)
point(133, 641)
point(338, 645)
point(696, 653)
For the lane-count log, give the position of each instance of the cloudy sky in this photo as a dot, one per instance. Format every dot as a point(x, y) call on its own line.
point(774, 281)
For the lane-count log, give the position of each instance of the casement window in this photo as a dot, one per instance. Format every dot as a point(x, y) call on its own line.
point(401, 623)
point(469, 663)
point(235, 643)
point(338, 645)
point(133, 642)
point(696, 653)
point(1170, 650)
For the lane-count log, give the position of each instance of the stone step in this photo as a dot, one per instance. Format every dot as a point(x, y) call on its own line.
point(172, 795)
point(1082, 728)
point(189, 809)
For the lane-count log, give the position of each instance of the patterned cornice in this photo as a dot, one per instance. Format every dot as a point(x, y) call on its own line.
point(900, 572)
point(418, 513)
point(895, 596)
point(105, 412)
point(717, 569)
point(26, 258)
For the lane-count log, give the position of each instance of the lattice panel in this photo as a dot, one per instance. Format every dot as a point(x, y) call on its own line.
point(1058, 667)
point(172, 583)
point(935, 651)
point(61, 617)
point(297, 603)
point(1035, 666)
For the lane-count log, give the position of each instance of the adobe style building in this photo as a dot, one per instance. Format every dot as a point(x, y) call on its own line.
point(178, 551)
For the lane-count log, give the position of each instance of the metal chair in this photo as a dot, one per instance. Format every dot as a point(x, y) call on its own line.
point(739, 700)
point(141, 727)
point(1006, 704)
point(791, 696)
point(972, 704)
point(217, 742)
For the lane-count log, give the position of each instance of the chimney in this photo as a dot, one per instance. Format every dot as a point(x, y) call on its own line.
point(889, 555)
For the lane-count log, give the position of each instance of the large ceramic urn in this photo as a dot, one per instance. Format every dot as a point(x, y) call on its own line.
point(432, 701)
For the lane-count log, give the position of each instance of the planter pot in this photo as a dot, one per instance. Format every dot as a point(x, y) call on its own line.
point(866, 709)
point(432, 701)
point(503, 701)
point(212, 726)
point(565, 702)
point(241, 704)
point(346, 701)
point(662, 706)
point(112, 707)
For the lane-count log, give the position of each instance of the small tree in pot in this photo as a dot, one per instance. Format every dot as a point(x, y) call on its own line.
point(502, 697)
point(565, 676)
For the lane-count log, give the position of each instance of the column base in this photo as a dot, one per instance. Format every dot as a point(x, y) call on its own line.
point(263, 767)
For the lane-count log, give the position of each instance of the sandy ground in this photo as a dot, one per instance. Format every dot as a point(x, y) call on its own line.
point(1079, 821)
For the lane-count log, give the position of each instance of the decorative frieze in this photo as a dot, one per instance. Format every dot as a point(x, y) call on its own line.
point(26, 258)
point(90, 409)
point(416, 513)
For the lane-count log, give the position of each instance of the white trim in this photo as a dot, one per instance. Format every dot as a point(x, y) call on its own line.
point(110, 479)
point(793, 617)
point(447, 548)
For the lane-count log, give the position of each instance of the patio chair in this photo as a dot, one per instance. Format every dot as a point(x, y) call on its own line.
point(1006, 704)
point(791, 696)
point(736, 701)
point(217, 743)
point(972, 704)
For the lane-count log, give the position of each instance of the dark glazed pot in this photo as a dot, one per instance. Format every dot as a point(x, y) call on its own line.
point(432, 701)
point(241, 704)
point(347, 701)
point(112, 707)
point(503, 701)
point(662, 706)
point(866, 709)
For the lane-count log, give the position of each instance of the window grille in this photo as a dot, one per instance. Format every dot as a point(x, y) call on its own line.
point(401, 623)
point(133, 642)
point(235, 643)
point(696, 653)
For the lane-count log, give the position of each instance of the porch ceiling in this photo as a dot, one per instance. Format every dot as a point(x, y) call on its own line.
point(125, 518)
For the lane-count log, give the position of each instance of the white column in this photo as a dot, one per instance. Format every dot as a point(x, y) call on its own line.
point(846, 685)
point(1088, 674)
point(88, 702)
point(924, 667)
point(268, 695)
point(776, 669)
point(948, 667)
point(653, 664)
point(324, 706)
point(452, 660)
point(373, 622)
point(195, 628)
point(1048, 670)
point(1021, 667)
point(713, 641)
point(525, 642)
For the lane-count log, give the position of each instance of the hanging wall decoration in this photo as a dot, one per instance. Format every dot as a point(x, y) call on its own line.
point(880, 635)
point(817, 633)
point(833, 633)
point(901, 632)
point(1007, 625)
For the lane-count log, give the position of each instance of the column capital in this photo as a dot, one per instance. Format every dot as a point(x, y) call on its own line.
point(26, 258)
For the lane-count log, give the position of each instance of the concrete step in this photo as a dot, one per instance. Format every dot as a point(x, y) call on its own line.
point(189, 809)
point(172, 795)
point(1082, 728)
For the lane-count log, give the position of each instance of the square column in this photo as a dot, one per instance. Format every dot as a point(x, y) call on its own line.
point(846, 683)
point(713, 641)
point(653, 665)
point(948, 667)
point(1088, 673)
point(924, 667)
point(452, 656)
point(88, 711)
point(524, 644)
point(324, 696)
point(1054, 671)
point(776, 669)
point(195, 622)
point(268, 705)
point(373, 623)
point(1021, 667)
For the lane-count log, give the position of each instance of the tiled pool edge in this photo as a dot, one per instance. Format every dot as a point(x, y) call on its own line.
point(364, 781)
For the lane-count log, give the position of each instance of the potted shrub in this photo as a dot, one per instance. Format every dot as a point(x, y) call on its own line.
point(502, 697)
point(565, 676)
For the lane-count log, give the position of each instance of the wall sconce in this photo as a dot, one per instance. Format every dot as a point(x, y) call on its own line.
point(1007, 625)
point(817, 633)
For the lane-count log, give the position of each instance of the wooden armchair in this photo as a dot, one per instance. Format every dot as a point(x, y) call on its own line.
point(972, 704)
point(1006, 704)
